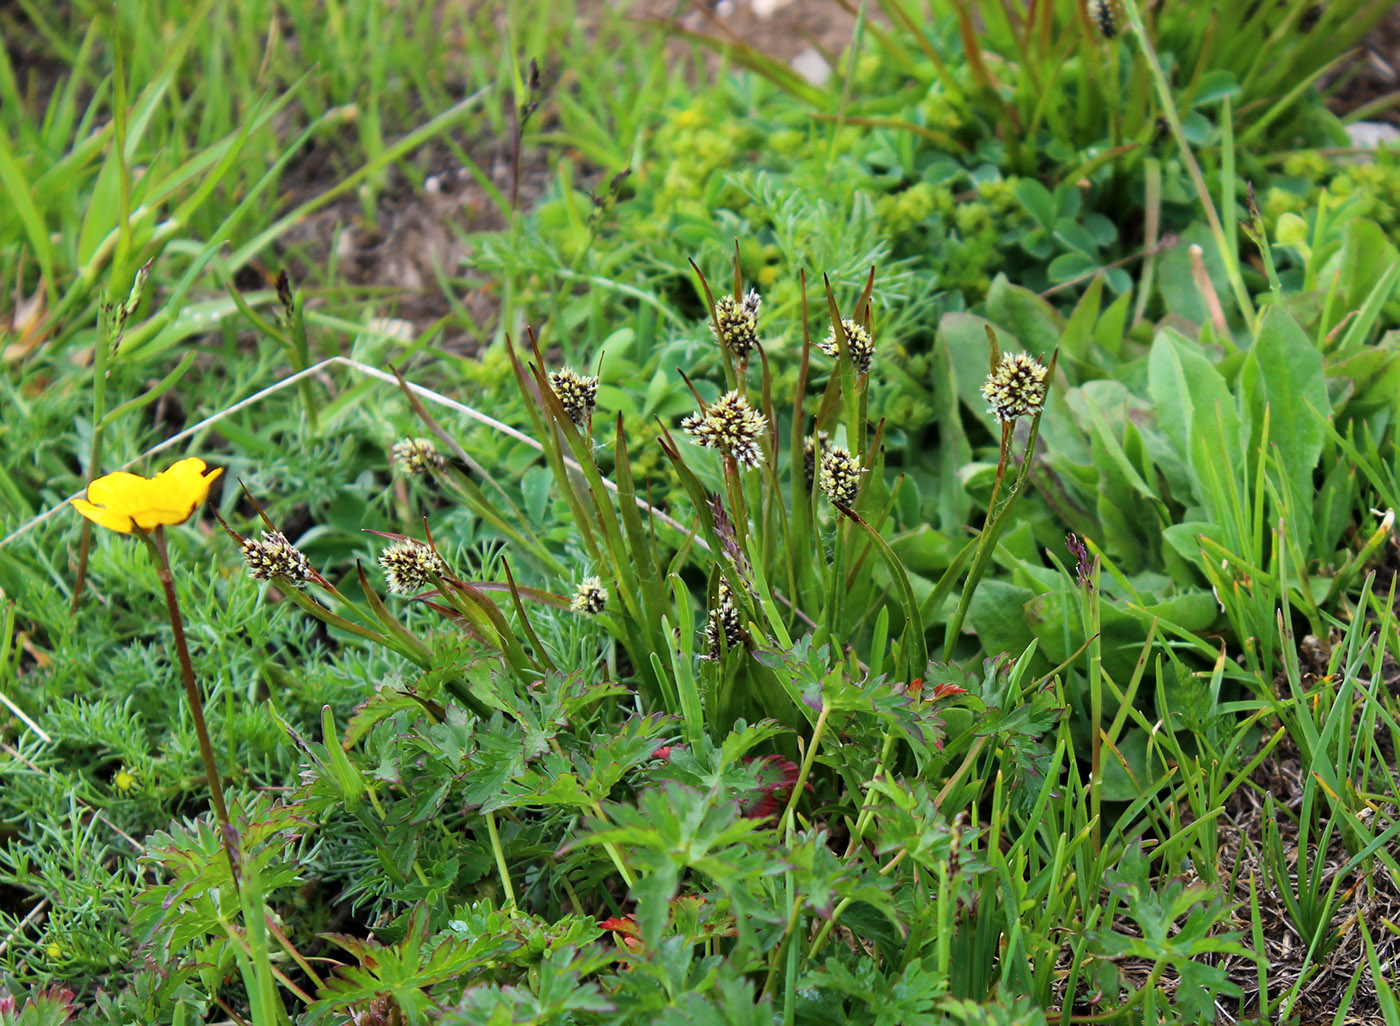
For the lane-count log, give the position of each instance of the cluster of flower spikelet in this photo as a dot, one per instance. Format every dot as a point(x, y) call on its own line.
point(730, 425)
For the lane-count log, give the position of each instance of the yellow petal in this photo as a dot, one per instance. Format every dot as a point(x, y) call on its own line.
point(187, 479)
point(126, 502)
point(187, 471)
point(120, 490)
point(105, 517)
point(153, 516)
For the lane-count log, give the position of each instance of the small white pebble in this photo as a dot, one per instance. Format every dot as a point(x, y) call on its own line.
point(392, 328)
point(812, 66)
point(1372, 134)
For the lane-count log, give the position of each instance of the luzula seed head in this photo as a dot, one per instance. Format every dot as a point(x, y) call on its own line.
point(590, 597)
point(416, 456)
point(840, 478)
point(577, 393)
point(738, 324)
point(730, 425)
point(1016, 388)
point(723, 622)
point(274, 558)
point(1104, 14)
point(858, 340)
point(813, 448)
point(410, 566)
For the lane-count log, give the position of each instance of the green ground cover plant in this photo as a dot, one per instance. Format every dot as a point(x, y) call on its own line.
point(1034, 143)
point(773, 622)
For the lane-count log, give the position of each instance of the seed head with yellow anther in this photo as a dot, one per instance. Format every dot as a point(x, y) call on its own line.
point(813, 448)
point(577, 393)
point(410, 566)
point(723, 621)
point(1104, 14)
point(840, 477)
point(737, 324)
point(416, 456)
point(858, 340)
point(1016, 387)
point(590, 597)
point(732, 426)
point(272, 557)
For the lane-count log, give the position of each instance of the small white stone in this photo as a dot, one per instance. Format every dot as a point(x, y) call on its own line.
point(1372, 134)
point(812, 66)
point(389, 327)
point(765, 9)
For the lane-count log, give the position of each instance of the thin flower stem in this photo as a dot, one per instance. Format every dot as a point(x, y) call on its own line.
point(968, 760)
point(608, 846)
point(1093, 628)
point(893, 863)
point(80, 581)
point(734, 484)
point(156, 540)
point(867, 805)
point(240, 938)
point(613, 853)
point(835, 589)
point(826, 926)
point(985, 544)
point(374, 803)
point(790, 975)
point(786, 949)
point(846, 903)
point(794, 917)
point(1006, 429)
point(998, 512)
point(500, 857)
point(817, 731)
point(291, 950)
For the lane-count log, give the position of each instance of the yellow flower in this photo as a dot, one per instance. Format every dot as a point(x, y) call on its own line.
point(128, 502)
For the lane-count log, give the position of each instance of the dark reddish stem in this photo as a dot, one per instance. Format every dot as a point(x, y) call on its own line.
point(156, 540)
point(1006, 429)
point(84, 547)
